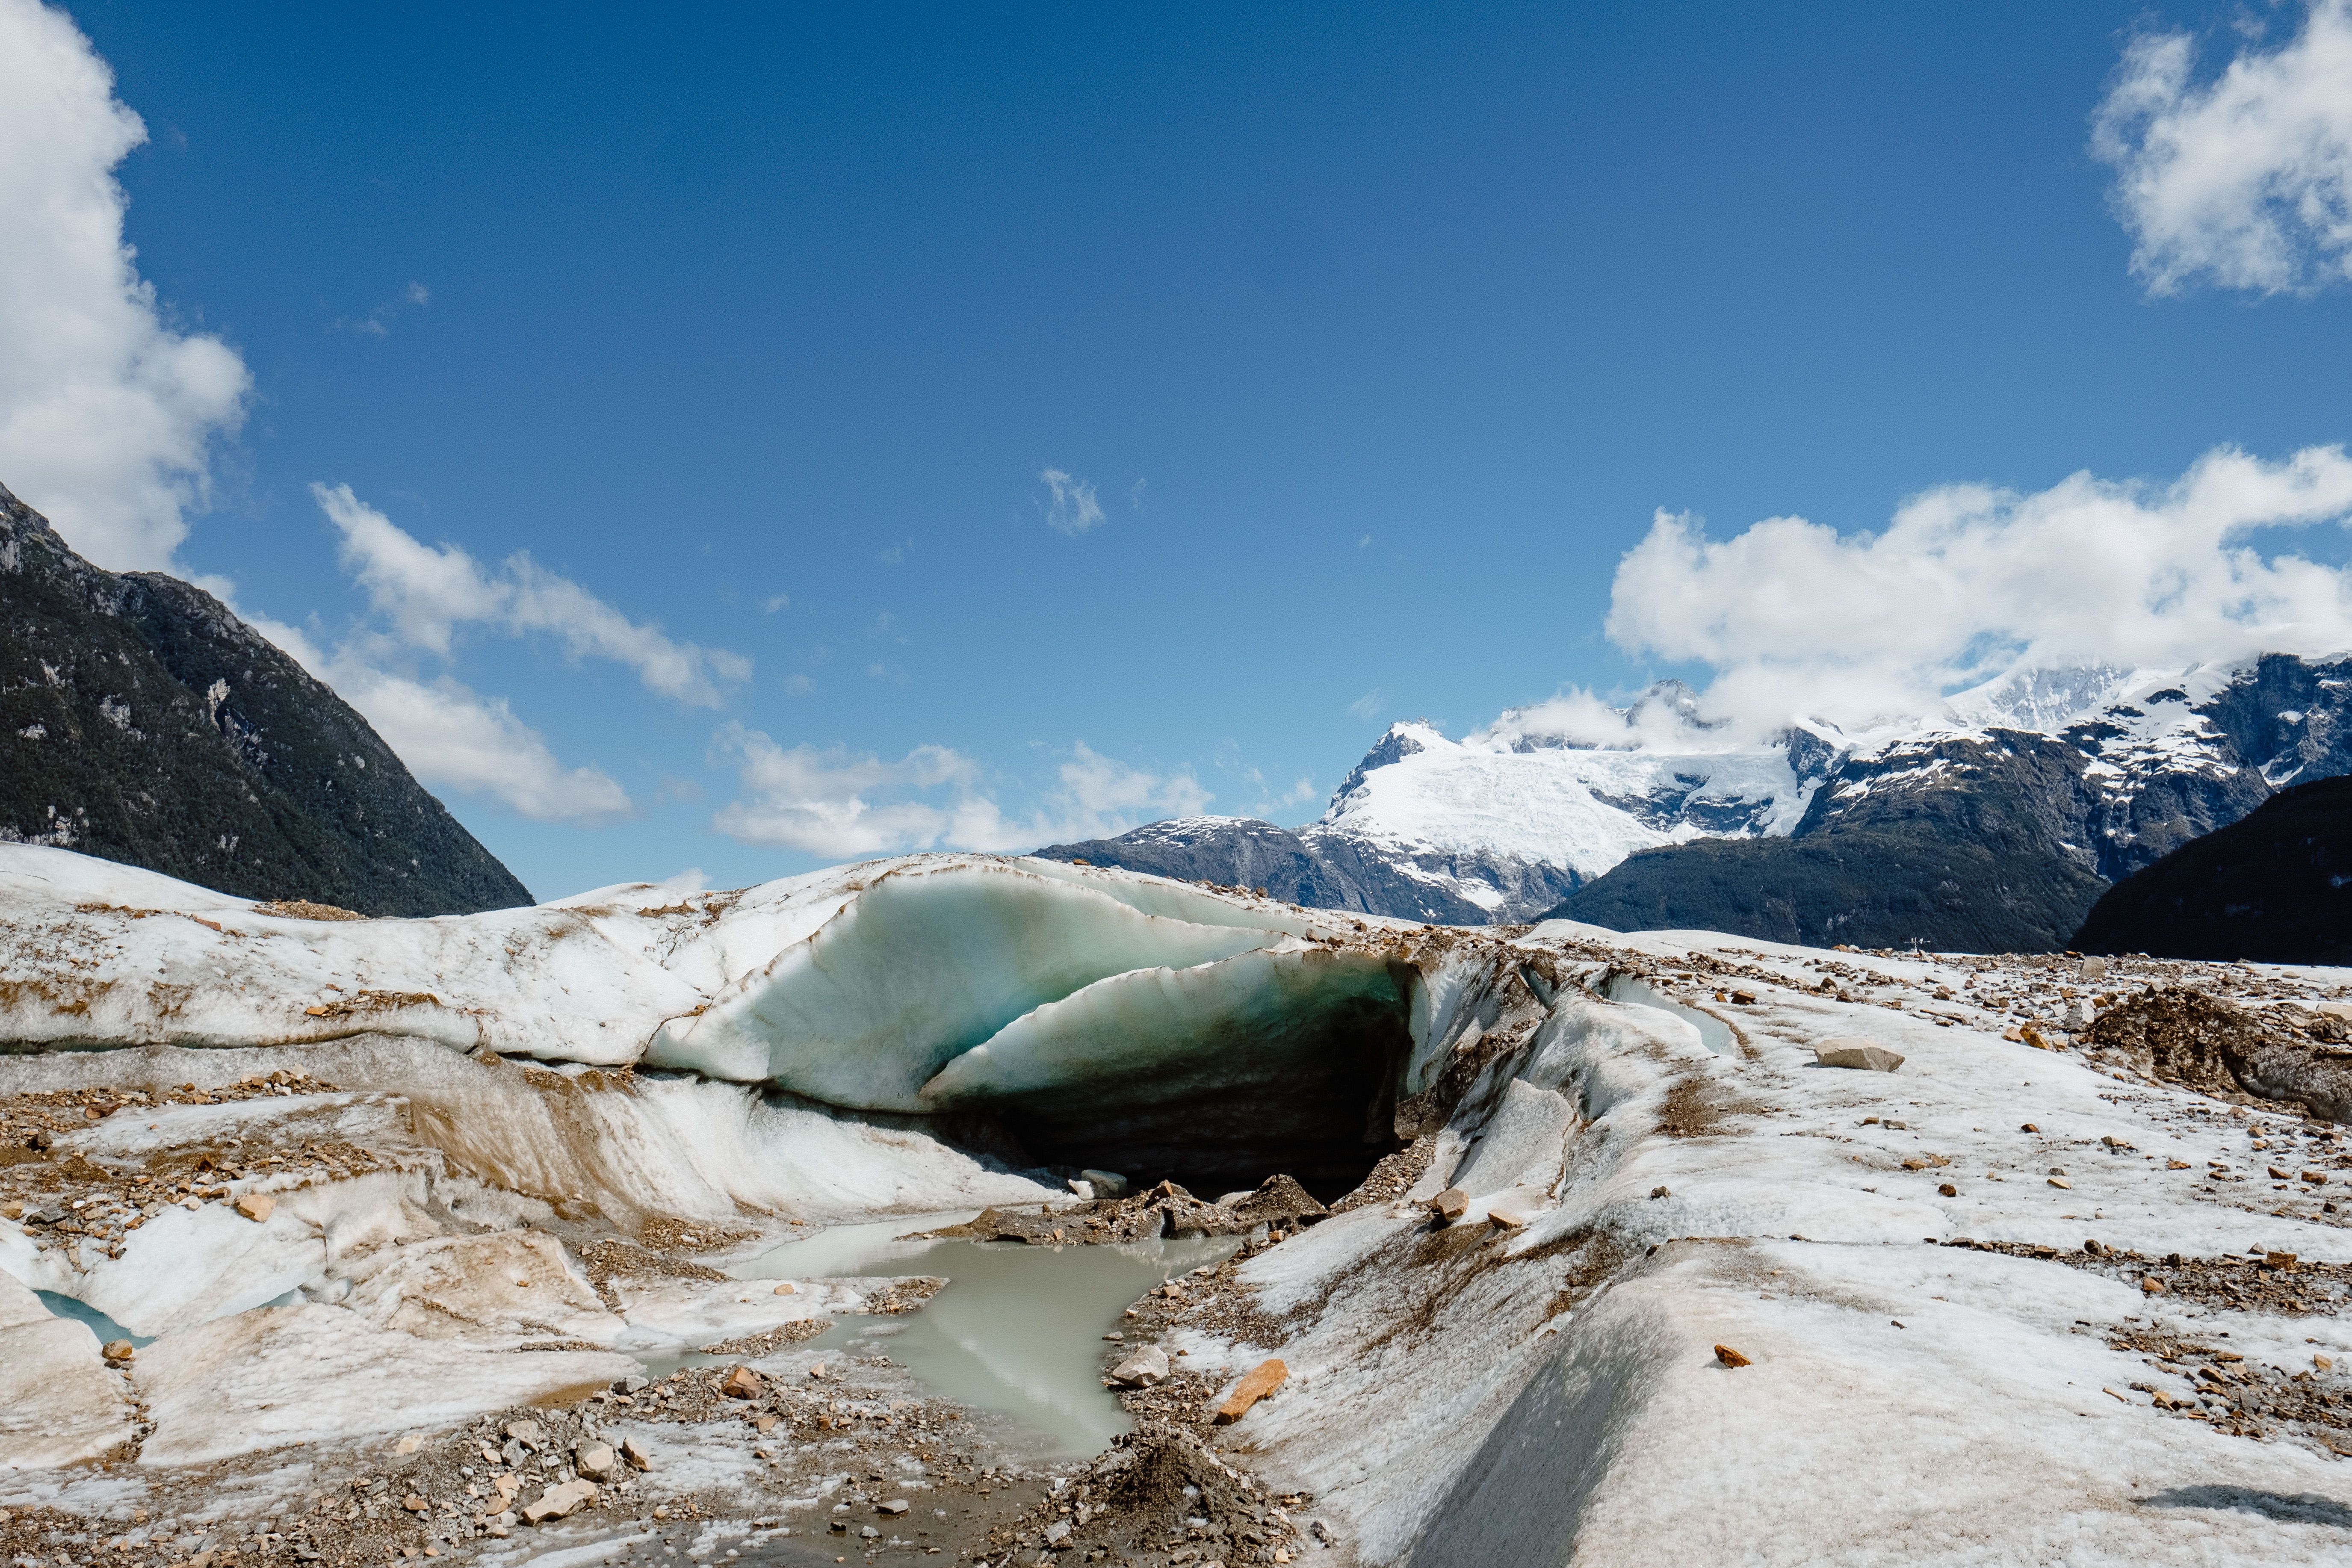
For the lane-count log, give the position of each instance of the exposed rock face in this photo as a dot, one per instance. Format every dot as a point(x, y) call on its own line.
point(1965, 843)
point(143, 722)
point(2276, 887)
point(1994, 841)
point(1229, 851)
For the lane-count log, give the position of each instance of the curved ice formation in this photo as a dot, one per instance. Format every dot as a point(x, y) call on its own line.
point(1207, 1070)
point(919, 967)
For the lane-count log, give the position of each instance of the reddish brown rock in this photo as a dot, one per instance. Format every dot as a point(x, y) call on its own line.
point(1263, 1379)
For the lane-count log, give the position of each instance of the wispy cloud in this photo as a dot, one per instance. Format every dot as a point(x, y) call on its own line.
point(454, 738)
point(1070, 507)
point(838, 804)
point(2244, 181)
point(1370, 704)
point(451, 736)
point(108, 419)
point(774, 602)
point(427, 592)
point(377, 322)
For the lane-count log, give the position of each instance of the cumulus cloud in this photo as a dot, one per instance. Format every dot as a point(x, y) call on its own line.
point(427, 592)
point(2244, 180)
point(1969, 583)
point(838, 804)
point(108, 416)
point(1070, 506)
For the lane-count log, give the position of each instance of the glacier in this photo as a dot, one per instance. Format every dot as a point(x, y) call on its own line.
point(514, 1162)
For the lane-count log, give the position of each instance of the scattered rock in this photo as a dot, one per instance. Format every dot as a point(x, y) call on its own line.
point(741, 1383)
point(256, 1207)
point(896, 1506)
point(2152, 1286)
point(1948, 1191)
point(2062, 1182)
point(635, 1454)
point(1660, 1192)
point(1855, 1052)
point(118, 1350)
point(560, 1502)
point(783, 1289)
point(1141, 1369)
point(1450, 1204)
point(526, 1432)
point(595, 1460)
point(1105, 1184)
point(1729, 1357)
point(1262, 1379)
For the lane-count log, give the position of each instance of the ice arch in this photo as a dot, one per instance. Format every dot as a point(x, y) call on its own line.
point(1217, 1075)
point(923, 964)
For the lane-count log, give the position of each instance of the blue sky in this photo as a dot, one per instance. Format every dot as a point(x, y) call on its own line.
point(1376, 336)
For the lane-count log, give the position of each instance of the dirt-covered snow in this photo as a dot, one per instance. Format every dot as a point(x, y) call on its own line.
point(2052, 1290)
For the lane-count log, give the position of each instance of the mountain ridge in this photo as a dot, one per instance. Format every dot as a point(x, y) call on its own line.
point(2001, 823)
point(143, 722)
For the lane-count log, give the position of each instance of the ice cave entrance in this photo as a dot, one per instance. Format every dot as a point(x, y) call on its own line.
point(1128, 1024)
point(1018, 1329)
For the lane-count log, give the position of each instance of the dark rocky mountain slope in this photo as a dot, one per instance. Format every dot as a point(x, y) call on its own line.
point(141, 721)
point(1998, 842)
point(2274, 889)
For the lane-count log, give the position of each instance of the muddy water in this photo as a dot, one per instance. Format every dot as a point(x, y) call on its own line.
point(1017, 1330)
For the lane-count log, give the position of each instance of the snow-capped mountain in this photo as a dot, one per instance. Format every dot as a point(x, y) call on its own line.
point(2098, 770)
point(1500, 824)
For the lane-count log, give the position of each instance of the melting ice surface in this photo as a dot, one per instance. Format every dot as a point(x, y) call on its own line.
point(1713, 1031)
point(1017, 1330)
point(107, 1330)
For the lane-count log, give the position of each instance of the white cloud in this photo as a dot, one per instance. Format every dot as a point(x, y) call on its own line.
point(427, 592)
point(838, 804)
point(377, 323)
point(2245, 180)
point(1967, 582)
point(1370, 703)
point(453, 738)
point(1072, 508)
point(107, 417)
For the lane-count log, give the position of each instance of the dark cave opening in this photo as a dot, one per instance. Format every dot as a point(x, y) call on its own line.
point(1312, 1098)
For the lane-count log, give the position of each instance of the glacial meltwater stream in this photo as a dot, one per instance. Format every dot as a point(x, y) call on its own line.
point(1017, 1330)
